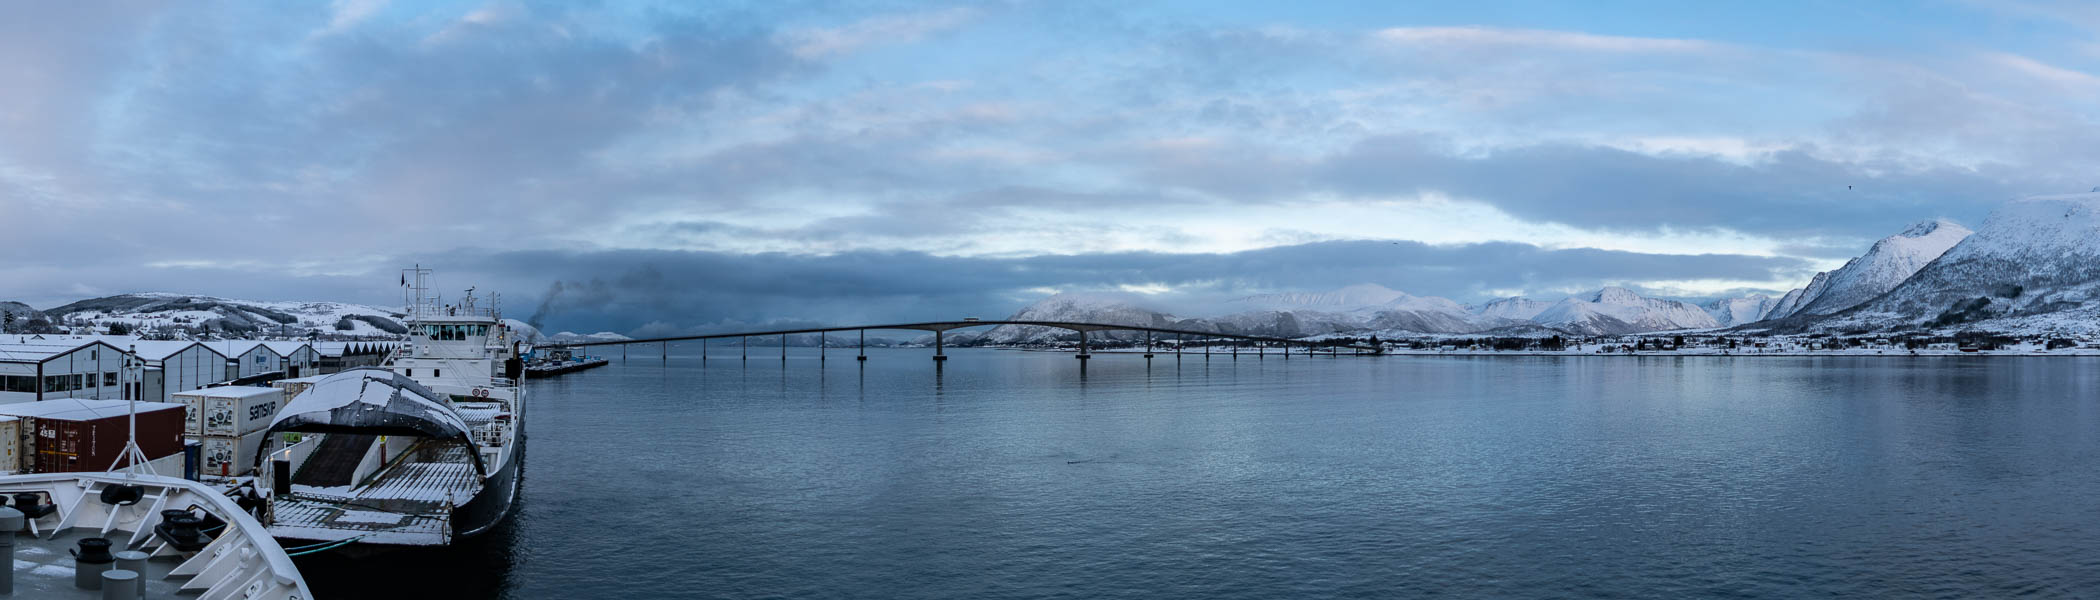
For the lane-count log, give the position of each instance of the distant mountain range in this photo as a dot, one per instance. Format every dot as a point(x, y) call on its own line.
point(2032, 268)
point(188, 316)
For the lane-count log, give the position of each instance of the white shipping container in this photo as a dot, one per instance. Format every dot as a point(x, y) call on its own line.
point(11, 456)
point(230, 411)
point(192, 406)
point(230, 456)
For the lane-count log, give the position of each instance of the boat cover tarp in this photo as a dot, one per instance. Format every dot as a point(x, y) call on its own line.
point(373, 401)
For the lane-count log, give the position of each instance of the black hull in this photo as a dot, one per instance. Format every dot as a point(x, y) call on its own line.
point(499, 493)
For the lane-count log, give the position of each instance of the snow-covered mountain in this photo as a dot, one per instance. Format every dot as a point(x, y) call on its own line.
point(1361, 295)
point(570, 337)
point(1882, 268)
point(1616, 310)
point(1359, 307)
point(1119, 309)
point(181, 313)
point(1730, 312)
point(2033, 266)
point(1360, 310)
point(1513, 307)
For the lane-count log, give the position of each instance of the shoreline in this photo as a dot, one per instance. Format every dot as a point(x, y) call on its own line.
point(2067, 352)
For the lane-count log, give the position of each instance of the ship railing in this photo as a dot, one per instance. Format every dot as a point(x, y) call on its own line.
point(436, 311)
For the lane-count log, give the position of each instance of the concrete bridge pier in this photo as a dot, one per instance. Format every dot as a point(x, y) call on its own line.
point(1148, 344)
point(863, 345)
point(745, 343)
point(937, 344)
point(703, 351)
point(666, 349)
point(823, 344)
point(783, 347)
point(1082, 347)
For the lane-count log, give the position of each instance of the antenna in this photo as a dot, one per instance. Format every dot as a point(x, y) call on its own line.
point(132, 452)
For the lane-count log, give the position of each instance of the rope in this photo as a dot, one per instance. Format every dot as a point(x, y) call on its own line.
point(318, 547)
point(324, 548)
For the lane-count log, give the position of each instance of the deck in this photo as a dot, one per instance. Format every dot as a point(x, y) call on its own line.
point(410, 503)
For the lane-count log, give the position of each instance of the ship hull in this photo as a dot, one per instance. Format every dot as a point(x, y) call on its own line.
point(499, 495)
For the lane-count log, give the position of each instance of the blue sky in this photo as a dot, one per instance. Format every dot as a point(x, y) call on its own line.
point(697, 165)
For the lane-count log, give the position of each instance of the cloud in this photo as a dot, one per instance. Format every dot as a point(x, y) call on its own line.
point(821, 42)
point(625, 289)
point(1535, 38)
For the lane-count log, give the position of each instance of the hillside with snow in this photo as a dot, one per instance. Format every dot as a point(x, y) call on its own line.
point(570, 337)
point(1358, 310)
point(1730, 312)
point(1617, 311)
point(183, 315)
point(2034, 266)
point(1886, 265)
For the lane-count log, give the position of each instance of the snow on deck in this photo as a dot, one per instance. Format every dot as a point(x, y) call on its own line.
point(410, 504)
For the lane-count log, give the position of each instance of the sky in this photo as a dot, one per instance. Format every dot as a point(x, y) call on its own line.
point(682, 166)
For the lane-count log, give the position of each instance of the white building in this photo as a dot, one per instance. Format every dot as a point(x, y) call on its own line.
point(246, 358)
point(44, 371)
point(172, 367)
point(296, 359)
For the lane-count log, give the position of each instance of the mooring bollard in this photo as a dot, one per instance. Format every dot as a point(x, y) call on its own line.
point(133, 561)
point(90, 561)
point(119, 584)
point(11, 520)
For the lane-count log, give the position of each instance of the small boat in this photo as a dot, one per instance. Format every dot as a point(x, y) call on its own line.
point(169, 537)
point(549, 362)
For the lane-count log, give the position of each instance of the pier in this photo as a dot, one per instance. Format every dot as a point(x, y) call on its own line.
point(1183, 339)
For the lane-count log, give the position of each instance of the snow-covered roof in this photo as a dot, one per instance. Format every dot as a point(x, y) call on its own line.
point(36, 353)
point(57, 338)
point(231, 391)
point(233, 348)
point(161, 350)
point(286, 348)
point(75, 409)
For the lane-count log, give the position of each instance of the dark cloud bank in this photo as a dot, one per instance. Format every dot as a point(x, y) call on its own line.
point(627, 290)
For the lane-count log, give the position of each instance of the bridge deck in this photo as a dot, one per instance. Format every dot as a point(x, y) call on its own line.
point(943, 326)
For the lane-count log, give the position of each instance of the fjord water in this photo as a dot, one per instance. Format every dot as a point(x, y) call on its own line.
point(1009, 475)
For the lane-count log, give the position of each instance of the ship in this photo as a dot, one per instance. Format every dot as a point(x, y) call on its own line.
point(157, 536)
point(549, 362)
point(422, 451)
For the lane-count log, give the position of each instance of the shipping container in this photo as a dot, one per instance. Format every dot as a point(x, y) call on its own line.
point(229, 411)
point(227, 456)
point(11, 459)
point(74, 434)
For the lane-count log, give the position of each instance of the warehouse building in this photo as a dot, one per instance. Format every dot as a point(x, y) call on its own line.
point(174, 367)
point(336, 356)
point(45, 371)
point(247, 358)
point(296, 359)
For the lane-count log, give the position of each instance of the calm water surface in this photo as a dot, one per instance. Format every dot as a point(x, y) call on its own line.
point(1009, 475)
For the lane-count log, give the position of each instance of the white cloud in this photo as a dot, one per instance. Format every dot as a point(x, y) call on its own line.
point(821, 42)
point(345, 14)
point(1536, 38)
point(2069, 79)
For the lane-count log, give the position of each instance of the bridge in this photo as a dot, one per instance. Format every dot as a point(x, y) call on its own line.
point(1204, 339)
